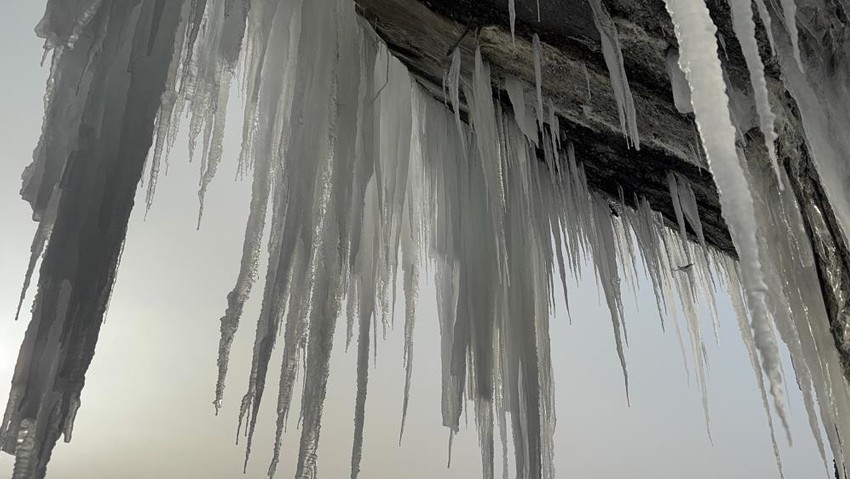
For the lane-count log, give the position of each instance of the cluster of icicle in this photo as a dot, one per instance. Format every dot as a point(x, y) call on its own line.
point(362, 175)
point(776, 263)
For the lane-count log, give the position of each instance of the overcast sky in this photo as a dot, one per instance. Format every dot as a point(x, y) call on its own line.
point(147, 408)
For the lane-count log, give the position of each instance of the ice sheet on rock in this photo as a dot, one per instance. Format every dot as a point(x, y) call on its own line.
point(616, 71)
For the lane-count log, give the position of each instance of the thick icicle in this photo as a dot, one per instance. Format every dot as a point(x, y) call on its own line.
point(124, 81)
point(698, 49)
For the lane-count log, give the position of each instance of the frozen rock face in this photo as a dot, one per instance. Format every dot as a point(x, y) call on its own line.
point(491, 141)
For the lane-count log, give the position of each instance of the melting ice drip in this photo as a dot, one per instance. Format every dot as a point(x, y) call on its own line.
point(367, 175)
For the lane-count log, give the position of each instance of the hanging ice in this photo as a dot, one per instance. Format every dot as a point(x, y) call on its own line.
point(745, 30)
point(698, 49)
point(359, 163)
point(616, 71)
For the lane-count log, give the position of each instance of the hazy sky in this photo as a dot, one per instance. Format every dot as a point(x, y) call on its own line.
point(147, 409)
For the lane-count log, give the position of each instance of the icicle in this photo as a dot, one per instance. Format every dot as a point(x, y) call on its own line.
point(123, 67)
point(42, 235)
point(410, 247)
point(512, 15)
point(453, 82)
point(678, 82)
point(764, 15)
point(537, 51)
point(617, 72)
point(745, 30)
point(789, 10)
point(523, 117)
point(688, 203)
point(605, 259)
point(734, 290)
point(677, 206)
point(64, 21)
point(247, 270)
point(698, 49)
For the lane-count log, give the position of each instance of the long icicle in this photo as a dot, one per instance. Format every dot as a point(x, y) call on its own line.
point(699, 60)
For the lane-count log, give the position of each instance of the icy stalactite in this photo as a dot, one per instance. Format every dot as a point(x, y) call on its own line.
point(287, 258)
point(267, 134)
point(523, 115)
point(453, 85)
point(537, 51)
point(780, 227)
point(733, 288)
point(678, 82)
point(512, 16)
point(823, 99)
point(767, 22)
point(121, 73)
point(64, 21)
point(745, 30)
point(163, 135)
point(605, 260)
point(411, 245)
point(688, 202)
point(698, 49)
point(673, 186)
point(789, 10)
point(616, 71)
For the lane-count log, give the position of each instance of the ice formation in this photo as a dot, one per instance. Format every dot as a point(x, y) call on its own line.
point(617, 72)
point(361, 174)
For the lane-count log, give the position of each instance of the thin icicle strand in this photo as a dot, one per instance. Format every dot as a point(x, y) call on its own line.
point(789, 10)
point(616, 71)
point(745, 30)
point(537, 50)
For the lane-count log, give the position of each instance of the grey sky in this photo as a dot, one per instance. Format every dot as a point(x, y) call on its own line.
point(147, 408)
